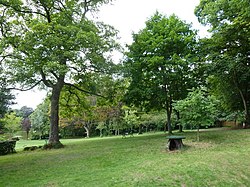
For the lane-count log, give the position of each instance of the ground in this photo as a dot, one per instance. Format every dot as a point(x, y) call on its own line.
point(221, 158)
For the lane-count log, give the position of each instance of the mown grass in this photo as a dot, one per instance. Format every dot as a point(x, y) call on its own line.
point(221, 158)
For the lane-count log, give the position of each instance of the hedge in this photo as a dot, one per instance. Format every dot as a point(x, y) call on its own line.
point(7, 147)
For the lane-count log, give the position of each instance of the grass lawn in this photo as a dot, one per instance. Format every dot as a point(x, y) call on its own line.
point(221, 158)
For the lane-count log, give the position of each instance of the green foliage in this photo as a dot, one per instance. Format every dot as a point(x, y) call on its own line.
point(198, 109)
point(7, 147)
point(54, 44)
point(12, 123)
point(6, 98)
point(82, 111)
point(24, 112)
point(131, 117)
point(159, 63)
point(228, 50)
point(40, 119)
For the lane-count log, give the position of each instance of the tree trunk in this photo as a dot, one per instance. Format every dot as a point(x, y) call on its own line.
point(140, 129)
point(247, 119)
point(87, 131)
point(169, 113)
point(169, 109)
point(178, 119)
point(247, 114)
point(27, 135)
point(101, 135)
point(54, 116)
point(169, 123)
point(198, 133)
point(245, 101)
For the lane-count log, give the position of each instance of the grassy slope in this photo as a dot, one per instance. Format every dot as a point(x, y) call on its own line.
point(220, 159)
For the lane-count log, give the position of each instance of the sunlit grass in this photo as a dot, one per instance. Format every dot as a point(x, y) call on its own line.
point(221, 158)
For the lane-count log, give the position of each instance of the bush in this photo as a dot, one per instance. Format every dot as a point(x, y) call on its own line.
point(7, 147)
point(32, 148)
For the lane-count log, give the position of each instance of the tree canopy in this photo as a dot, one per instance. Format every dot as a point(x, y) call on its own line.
point(53, 44)
point(197, 110)
point(159, 63)
point(228, 50)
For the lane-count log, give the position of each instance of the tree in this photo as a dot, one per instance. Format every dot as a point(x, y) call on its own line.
point(26, 126)
point(228, 50)
point(159, 63)
point(101, 126)
point(24, 112)
point(131, 118)
point(40, 118)
point(6, 99)
point(197, 110)
point(12, 123)
point(53, 44)
point(86, 111)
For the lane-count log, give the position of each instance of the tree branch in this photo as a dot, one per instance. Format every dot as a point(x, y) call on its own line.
point(54, 74)
point(45, 81)
point(22, 11)
point(27, 89)
point(82, 90)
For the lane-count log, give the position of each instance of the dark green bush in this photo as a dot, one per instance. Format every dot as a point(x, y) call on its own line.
point(7, 147)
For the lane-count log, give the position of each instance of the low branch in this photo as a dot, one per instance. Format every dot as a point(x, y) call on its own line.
point(82, 90)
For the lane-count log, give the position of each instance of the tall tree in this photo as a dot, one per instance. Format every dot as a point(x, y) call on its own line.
point(6, 98)
point(228, 50)
point(24, 112)
point(53, 44)
point(159, 63)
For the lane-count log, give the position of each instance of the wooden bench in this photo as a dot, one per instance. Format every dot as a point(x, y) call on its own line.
point(175, 142)
point(125, 134)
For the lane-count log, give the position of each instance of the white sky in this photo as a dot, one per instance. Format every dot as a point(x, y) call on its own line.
point(128, 16)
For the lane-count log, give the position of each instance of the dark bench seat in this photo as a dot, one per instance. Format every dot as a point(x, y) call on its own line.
point(175, 142)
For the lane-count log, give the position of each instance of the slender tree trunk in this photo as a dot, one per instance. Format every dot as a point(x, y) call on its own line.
point(247, 114)
point(101, 133)
point(54, 115)
point(87, 131)
point(169, 122)
point(27, 134)
point(178, 119)
point(245, 101)
point(140, 129)
point(198, 133)
point(168, 107)
point(169, 113)
point(247, 117)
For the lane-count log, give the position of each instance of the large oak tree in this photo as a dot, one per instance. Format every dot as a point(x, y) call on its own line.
point(53, 44)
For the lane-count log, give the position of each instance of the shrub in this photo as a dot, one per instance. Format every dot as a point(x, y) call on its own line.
point(7, 147)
